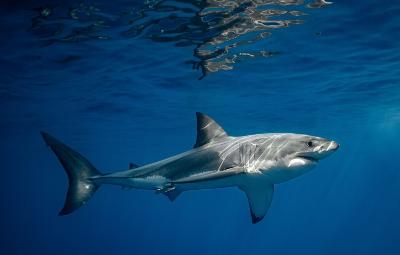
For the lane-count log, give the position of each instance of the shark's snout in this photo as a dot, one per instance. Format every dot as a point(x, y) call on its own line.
point(333, 146)
point(327, 149)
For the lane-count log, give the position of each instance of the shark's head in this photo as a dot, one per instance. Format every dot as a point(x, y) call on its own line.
point(297, 154)
point(304, 151)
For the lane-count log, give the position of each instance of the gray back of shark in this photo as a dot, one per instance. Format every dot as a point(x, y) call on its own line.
point(254, 163)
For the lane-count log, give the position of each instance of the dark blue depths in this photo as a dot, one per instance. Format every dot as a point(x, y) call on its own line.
point(120, 82)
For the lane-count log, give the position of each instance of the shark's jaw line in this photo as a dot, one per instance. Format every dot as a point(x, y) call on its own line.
point(310, 158)
point(253, 163)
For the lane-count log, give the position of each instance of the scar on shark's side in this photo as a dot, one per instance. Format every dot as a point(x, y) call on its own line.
point(253, 163)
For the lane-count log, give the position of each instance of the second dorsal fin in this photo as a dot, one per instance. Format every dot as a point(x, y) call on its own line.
point(208, 130)
point(133, 165)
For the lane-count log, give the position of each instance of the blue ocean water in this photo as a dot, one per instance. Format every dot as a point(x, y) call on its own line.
point(121, 81)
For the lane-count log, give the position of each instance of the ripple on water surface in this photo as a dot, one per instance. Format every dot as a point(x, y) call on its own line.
point(222, 32)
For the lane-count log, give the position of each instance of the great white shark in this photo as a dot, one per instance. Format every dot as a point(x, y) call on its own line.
point(253, 163)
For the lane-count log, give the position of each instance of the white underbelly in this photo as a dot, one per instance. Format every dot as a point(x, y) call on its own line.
point(210, 184)
point(155, 182)
point(150, 182)
point(279, 175)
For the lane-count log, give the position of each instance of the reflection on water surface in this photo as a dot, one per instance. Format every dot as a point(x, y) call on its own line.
point(222, 32)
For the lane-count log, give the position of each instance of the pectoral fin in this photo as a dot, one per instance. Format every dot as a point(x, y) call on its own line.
point(259, 195)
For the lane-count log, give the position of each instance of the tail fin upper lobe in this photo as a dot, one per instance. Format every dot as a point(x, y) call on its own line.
point(79, 171)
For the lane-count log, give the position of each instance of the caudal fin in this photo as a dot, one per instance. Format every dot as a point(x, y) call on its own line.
point(79, 171)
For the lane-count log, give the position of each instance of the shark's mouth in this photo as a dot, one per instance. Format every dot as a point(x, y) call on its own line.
point(309, 158)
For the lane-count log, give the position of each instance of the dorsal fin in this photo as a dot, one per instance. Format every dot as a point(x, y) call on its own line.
point(133, 165)
point(208, 130)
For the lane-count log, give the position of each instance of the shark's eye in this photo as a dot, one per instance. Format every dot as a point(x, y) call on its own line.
point(310, 144)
